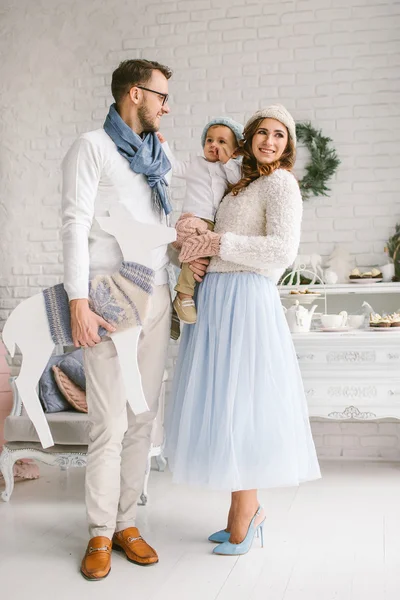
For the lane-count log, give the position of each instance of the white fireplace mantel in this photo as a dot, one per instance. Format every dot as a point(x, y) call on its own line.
point(353, 374)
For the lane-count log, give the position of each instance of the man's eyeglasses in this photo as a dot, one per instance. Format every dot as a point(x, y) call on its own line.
point(164, 96)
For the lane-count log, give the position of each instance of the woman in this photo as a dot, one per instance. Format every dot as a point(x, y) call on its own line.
point(239, 419)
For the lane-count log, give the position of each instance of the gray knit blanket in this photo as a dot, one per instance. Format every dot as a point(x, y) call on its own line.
point(122, 299)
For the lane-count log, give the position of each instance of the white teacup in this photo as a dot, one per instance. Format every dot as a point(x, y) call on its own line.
point(355, 321)
point(333, 321)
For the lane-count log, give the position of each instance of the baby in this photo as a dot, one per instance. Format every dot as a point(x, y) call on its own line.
point(207, 179)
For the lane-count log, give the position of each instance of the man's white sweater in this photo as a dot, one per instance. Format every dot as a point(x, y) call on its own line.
point(95, 176)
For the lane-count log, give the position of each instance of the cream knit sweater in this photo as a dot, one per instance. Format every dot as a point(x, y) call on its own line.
point(260, 227)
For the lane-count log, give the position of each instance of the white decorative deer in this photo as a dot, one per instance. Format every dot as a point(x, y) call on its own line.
point(311, 262)
point(28, 325)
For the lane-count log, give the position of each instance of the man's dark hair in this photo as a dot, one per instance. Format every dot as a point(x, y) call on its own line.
point(134, 72)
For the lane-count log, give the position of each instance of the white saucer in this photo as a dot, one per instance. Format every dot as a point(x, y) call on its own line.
point(365, 280)
point(333, 329)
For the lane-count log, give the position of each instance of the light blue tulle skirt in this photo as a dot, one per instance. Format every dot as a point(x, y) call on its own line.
point(238, 416)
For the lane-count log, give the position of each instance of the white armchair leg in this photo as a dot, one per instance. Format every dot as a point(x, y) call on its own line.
point(161, 462)
point(6, 467)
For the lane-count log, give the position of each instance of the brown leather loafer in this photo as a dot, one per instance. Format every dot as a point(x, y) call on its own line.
point(136, 549)
point(96, 563)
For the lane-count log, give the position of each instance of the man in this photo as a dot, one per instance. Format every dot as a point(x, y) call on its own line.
point(121, 163)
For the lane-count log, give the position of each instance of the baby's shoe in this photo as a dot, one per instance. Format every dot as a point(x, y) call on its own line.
point(185, 309)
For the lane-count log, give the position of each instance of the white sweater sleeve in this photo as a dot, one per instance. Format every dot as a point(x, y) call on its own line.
point(179, 167)
point(81, 174)
point(233, 169)
point(279, 247)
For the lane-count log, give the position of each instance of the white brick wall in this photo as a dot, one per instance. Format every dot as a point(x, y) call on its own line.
point(378, 441)
point(334, 62)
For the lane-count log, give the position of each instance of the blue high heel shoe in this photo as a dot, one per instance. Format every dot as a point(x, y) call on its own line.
point(229, 549)
point(219, 537)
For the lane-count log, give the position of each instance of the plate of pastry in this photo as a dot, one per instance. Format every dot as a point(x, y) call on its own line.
point(367, 277)
point(384, 323)
point(303, 296)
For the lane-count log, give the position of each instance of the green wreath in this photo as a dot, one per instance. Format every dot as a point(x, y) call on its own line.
point(324, 161)
point(393, 246)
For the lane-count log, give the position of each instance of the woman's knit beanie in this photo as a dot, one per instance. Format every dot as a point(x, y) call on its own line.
point(278, 112)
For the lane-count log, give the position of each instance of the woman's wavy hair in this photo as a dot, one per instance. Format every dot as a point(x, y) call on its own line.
point(251, 170)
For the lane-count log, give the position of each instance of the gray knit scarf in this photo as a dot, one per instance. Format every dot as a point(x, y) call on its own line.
point(145, 156)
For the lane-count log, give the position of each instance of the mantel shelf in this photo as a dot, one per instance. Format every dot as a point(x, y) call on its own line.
point(366, 334)
point(344, 288)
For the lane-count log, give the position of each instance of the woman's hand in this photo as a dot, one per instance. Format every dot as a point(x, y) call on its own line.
point(161, 137)
point(187, 226)
point(199, 268)
point(200, 246)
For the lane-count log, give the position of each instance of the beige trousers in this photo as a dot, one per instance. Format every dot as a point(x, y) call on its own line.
point(119, 441)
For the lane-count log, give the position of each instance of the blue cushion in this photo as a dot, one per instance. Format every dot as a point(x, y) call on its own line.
point(72, 365)
point(49, 394)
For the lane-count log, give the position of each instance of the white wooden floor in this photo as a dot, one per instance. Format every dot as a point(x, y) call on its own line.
point(338, 538)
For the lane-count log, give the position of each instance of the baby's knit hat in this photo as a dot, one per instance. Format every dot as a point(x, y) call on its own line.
point(237, 128)
point(278, 112)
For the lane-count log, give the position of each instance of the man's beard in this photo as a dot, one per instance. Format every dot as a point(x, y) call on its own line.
point(146, 121)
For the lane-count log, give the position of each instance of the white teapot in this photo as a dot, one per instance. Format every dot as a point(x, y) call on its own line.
point(299, 318)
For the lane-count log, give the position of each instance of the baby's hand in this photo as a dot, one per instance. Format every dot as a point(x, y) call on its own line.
point(236, 153)
point(161, 137)
point(223, 154)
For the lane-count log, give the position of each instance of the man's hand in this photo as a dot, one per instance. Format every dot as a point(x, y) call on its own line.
point(199, 268)
point(85, 324)
point(161, 137)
